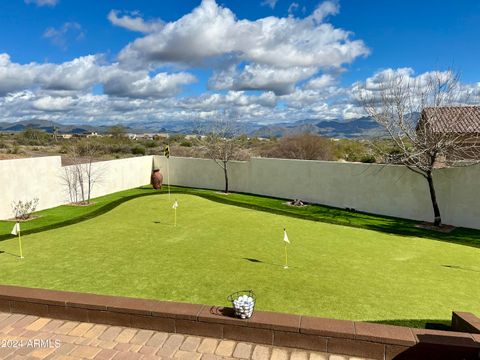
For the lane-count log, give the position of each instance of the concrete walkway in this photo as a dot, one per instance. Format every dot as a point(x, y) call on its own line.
point(31, 337)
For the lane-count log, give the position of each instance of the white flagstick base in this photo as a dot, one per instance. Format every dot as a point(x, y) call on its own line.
point(285, 267)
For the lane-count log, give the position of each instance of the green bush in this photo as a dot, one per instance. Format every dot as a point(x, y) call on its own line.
point(177, 138)
point(369, 159)
point(138, 150)
point(118, 148)
point(149, 143)
point(186, 144)
point(32, 136)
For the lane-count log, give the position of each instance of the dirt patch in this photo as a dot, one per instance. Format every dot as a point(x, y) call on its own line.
point(8, 156)
point(33, 217)
point(442, 228)
point(81, 204)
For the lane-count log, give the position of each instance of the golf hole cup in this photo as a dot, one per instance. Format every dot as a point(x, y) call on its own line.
point(243, 303)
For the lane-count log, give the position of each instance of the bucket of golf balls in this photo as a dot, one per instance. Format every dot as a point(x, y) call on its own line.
point(243, 303)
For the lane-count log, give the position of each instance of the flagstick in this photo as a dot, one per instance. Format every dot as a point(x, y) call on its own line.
point(286, 257)
point(20, 244)
point(168, 177)
point(175, 223)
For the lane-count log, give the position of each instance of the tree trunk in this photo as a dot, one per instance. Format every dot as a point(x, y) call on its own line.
point(225, 172)
point(89, 178)
point(433, 196)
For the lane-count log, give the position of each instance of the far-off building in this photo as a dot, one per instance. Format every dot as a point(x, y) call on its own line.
point(455, 128)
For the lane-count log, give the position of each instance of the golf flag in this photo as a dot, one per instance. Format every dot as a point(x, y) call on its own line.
point(16, 232)
point(285, 241)
point(166, 151)
point(174, 207)
point(16, 229)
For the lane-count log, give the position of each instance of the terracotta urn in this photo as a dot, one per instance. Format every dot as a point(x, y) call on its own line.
point(156, 179)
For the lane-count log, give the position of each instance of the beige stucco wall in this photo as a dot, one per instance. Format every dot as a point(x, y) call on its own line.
point(122, 174)
point(26, 179)
point(387, 190)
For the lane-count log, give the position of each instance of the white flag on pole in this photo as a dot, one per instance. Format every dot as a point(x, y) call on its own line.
point(16, 229)
point(175, 205)
point(285, 236)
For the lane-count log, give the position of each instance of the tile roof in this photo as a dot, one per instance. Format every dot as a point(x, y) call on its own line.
point(453, 119)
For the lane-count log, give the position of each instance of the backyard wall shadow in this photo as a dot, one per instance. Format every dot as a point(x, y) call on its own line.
point(97, 212)
point(432, 324)
point(337, 216)
point(326, 214)
point(441, 347)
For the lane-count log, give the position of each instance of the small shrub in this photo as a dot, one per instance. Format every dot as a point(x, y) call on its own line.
point(368, 159)
point(34, 137)
point(138, 150)
point(24, 209)
point(301, 146)
point(186, 144)
point(14, 150)
point(63, 149)
point(150, 143)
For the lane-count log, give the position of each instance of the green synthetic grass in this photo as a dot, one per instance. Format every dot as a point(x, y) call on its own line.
point(335, 271)
point(68, 215)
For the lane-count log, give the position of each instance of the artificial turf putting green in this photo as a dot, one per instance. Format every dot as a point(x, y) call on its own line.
point(335, 271)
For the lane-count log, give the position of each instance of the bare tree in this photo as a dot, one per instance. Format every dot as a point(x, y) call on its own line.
point(221, 142)
point(81, 177)
point(420, 117)
point(69, 180)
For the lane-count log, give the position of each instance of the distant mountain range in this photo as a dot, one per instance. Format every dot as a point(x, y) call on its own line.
point(363, 127)
point(49, 127)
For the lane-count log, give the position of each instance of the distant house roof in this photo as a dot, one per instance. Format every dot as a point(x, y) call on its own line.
point(453, 119)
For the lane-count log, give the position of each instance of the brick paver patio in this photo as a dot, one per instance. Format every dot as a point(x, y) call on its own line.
point(31, 337)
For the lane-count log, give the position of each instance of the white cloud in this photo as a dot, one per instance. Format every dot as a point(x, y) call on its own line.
point(211, 31)
point(58, 36)
point(134, 22)
point(51, 3)
point(325, 9)
point(417, 87)
point(50, 103)
point(140, 84)
point(138, 103)
point(374, 85)
point(293, 8)
point(292, 64)
point(275, 53)
point(15, 77)
point(271, 3)
point(281, 81)
point(81, 74)
point(321, 82)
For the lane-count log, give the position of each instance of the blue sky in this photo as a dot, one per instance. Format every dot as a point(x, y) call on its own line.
point(129, 44)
